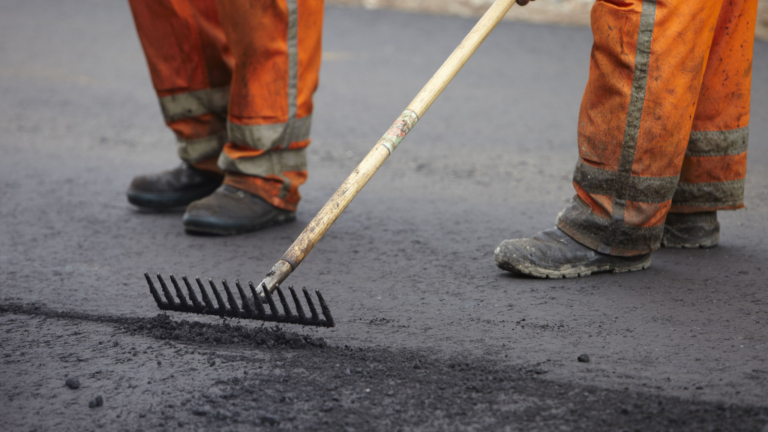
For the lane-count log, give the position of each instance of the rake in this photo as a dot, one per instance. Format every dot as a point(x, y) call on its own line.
point(252, 307)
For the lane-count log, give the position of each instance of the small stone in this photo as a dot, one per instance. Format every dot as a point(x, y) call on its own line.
point(73, 383)
point(200, 412)
point(269, 420)
point(96, 402)
point(583, 358)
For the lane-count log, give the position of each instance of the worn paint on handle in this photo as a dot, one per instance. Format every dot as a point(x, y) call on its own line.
point(399, 130)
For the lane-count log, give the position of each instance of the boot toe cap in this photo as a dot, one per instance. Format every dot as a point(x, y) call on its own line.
point(510, 253)
point(232, 211)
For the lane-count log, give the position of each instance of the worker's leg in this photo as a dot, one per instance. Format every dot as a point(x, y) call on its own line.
point(190, 66)
point(277, 49)
point(715, 162)
point(646, 68)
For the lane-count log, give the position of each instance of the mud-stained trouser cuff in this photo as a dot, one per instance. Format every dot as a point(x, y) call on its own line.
point(198, 119)
point(713, 172)
point(273, 174)
point(608, 236)
point(198, 150)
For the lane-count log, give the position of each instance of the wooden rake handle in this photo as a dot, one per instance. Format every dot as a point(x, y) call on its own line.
point(384, 147)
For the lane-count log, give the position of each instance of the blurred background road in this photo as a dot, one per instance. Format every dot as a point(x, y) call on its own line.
point(559, 12)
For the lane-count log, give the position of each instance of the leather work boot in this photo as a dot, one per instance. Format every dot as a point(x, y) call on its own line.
point(691, 230)
point(173, 188)
point(230, 211)
point(553, 254)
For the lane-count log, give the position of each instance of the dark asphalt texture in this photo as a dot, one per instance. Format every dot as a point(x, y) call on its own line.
point(408, 270)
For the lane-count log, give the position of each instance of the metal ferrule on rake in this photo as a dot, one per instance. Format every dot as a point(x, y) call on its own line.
point(249, 307)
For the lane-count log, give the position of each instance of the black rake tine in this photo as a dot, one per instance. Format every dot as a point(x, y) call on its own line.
point(257, 301)
point(232, 302)
point(166, 292)
point(251, 308)
point(326, 311)
point(286, 308)
point(270, 301)
point(179, 293)
point(206, 299)
point(312, 309)
point(220, 301)
point(153, 290)
point(192, 295)
point(246, 303)
point(299, 309)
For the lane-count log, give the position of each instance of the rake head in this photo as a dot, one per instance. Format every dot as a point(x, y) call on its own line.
point(249, 308)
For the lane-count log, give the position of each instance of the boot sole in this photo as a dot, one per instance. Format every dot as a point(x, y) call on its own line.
point(166, 200)
point(581, 271)
point(674, 239)
point(701, 244)
point(214, 226)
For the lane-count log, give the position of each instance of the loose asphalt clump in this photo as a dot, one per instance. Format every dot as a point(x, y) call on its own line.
point(269, 420)
point(73, 383)
point(96, 402)
point(583, 358)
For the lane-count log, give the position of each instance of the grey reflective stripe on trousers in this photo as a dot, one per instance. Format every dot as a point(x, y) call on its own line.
point(270, 136)
point(708, 195)
point(195, 103)
point(293, 64)
point(198, 150)
point(270, 163)
point(718, 143)
point(635, 110)
point(600, 233)
point(641, 189)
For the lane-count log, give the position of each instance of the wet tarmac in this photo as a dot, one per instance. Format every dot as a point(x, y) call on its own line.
point(421, 310)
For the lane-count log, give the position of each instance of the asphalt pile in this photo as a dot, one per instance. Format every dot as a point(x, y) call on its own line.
point(163, 327)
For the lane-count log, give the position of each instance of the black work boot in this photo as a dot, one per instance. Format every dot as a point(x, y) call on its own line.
point(173, 188)
point(230, 211)
point(691, 230)
point(553, 254)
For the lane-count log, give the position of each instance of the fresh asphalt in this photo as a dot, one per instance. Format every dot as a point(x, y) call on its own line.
point(409, 266)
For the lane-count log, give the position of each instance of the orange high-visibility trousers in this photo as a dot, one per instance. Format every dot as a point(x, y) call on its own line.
point(235, 79)
point(664, 120)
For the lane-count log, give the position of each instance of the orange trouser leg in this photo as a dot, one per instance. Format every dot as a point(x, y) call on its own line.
point(715, 162)
point(647, 65)
point(277, 49)
point(191, 69)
